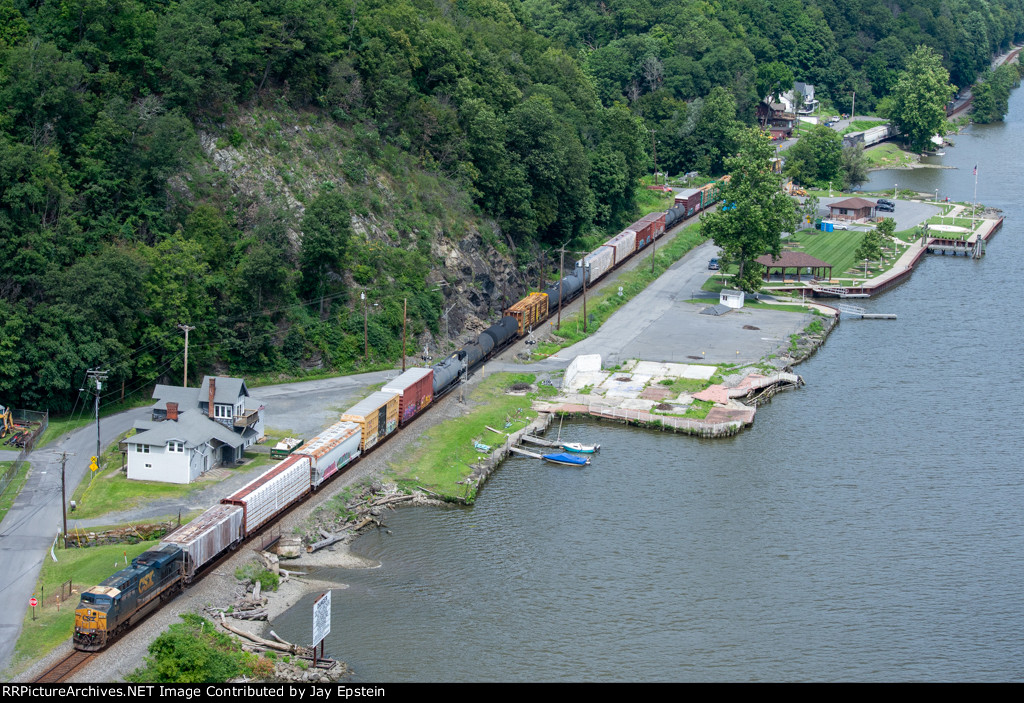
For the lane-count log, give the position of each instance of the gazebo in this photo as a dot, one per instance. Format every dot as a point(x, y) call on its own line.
point(797, 261)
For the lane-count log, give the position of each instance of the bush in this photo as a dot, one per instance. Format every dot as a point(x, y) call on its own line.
point(193, 651)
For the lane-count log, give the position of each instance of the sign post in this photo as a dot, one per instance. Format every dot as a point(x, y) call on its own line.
point(321, 622)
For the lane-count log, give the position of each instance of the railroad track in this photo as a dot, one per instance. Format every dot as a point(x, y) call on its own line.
point(66, 667)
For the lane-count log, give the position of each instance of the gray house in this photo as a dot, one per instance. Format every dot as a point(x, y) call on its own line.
point(192, 430)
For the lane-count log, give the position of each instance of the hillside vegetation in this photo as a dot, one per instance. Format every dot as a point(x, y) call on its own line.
point(251, 168)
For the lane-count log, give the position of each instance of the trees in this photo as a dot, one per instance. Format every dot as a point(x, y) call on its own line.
point(854, 165)
point(816, 158)
point(754, 213)
point(326, 229)
point(918, 101)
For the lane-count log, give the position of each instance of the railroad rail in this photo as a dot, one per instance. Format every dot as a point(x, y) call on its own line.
point(66, 667)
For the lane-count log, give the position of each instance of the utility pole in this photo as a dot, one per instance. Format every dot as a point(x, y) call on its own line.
point(561, 274)
point(99, 377)
point(184, 378)
point(405, 310)
point(366, 344)
point(63, 496)
point(585, 294)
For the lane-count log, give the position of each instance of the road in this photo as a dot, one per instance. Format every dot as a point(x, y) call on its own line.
point(658, 324)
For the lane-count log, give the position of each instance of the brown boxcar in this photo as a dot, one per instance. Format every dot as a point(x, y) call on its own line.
point(529, 311)
point(690, 198)
point(648, 228)
point(415, 389)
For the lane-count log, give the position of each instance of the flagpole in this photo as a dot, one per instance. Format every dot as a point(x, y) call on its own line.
point(974, 210)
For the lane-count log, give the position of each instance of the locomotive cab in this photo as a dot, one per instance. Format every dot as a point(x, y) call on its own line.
point(91, 618)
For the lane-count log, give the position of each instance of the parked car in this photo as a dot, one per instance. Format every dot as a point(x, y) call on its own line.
point(886, 201)
point(713, 265)
point(882, 207)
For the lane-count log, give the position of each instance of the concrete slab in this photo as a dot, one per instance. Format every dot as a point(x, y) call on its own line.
point(587, 378)
point(636, 404)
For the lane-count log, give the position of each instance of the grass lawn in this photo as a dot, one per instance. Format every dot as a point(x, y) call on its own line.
point(109, 489)
point(955, 221)
point(445, 452)
point(14, 487)
point(837, 248)
point(888, 155)
point(84, 568)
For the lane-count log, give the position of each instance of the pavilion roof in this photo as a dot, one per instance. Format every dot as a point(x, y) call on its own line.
point(792, 259)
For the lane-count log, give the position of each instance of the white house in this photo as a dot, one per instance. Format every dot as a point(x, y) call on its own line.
point(808, 103)
point(192, 430)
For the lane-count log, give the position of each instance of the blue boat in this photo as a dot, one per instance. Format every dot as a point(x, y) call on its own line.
point(566, 459)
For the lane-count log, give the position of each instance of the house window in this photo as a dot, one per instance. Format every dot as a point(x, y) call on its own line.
point(222, 411)
point(178, 447)
point(142, 448)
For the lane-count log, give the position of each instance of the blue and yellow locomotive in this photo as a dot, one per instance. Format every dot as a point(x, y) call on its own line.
point(126, 597)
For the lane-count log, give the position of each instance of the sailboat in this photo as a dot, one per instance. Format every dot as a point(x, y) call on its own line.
point(575, 446)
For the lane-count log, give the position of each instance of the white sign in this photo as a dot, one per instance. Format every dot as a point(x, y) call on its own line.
point(321, 618)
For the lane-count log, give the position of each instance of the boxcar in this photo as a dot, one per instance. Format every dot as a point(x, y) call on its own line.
point(376, 415)
point(331, 450)
point(598, 262)
point(623, 245)
point(265, 496)
point(208, 535)
point(415, 389)
point(690, 198)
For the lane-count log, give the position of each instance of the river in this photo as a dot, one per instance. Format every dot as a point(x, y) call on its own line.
point(867, 528)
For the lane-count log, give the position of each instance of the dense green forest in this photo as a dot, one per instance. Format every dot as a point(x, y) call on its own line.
point(378, 136)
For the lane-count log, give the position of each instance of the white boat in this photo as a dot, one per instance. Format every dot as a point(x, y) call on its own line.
point(580, 448)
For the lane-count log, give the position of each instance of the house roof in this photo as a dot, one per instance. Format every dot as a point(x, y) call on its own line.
point(853, 204)
point(226, 389)
point(792, 259)
point(193, 427)
point(185, 397)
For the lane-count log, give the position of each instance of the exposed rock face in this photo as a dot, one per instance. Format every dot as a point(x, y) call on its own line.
point(277, 168)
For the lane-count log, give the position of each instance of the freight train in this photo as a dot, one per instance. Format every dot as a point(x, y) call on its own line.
point(107, 610)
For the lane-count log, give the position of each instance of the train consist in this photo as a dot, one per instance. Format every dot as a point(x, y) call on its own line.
point(112, 607)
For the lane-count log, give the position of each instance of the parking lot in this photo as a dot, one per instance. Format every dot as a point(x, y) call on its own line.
point(908, 213)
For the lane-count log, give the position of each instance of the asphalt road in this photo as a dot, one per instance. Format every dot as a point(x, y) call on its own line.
point(656, 325)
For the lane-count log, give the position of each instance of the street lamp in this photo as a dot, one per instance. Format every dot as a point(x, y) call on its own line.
point(895, 190)
point(830, 189)
point(936, 196)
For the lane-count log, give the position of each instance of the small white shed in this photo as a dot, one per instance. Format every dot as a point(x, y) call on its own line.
point(731, 298)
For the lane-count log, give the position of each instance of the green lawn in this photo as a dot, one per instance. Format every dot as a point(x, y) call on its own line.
point(109, 489)
point(836, 248)
point(445, 452)
point(14, 487)
point(888, 155)
point(84, 568)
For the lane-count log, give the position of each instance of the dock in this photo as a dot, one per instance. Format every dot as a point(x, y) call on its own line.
point(540, 441)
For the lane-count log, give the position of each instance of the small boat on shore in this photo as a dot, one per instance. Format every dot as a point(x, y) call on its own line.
point(566, 459)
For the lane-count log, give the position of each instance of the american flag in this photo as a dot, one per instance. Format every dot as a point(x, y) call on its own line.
point(975, 169)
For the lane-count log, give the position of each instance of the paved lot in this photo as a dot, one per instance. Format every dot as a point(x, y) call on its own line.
point(908, 213)
point(660, 325)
